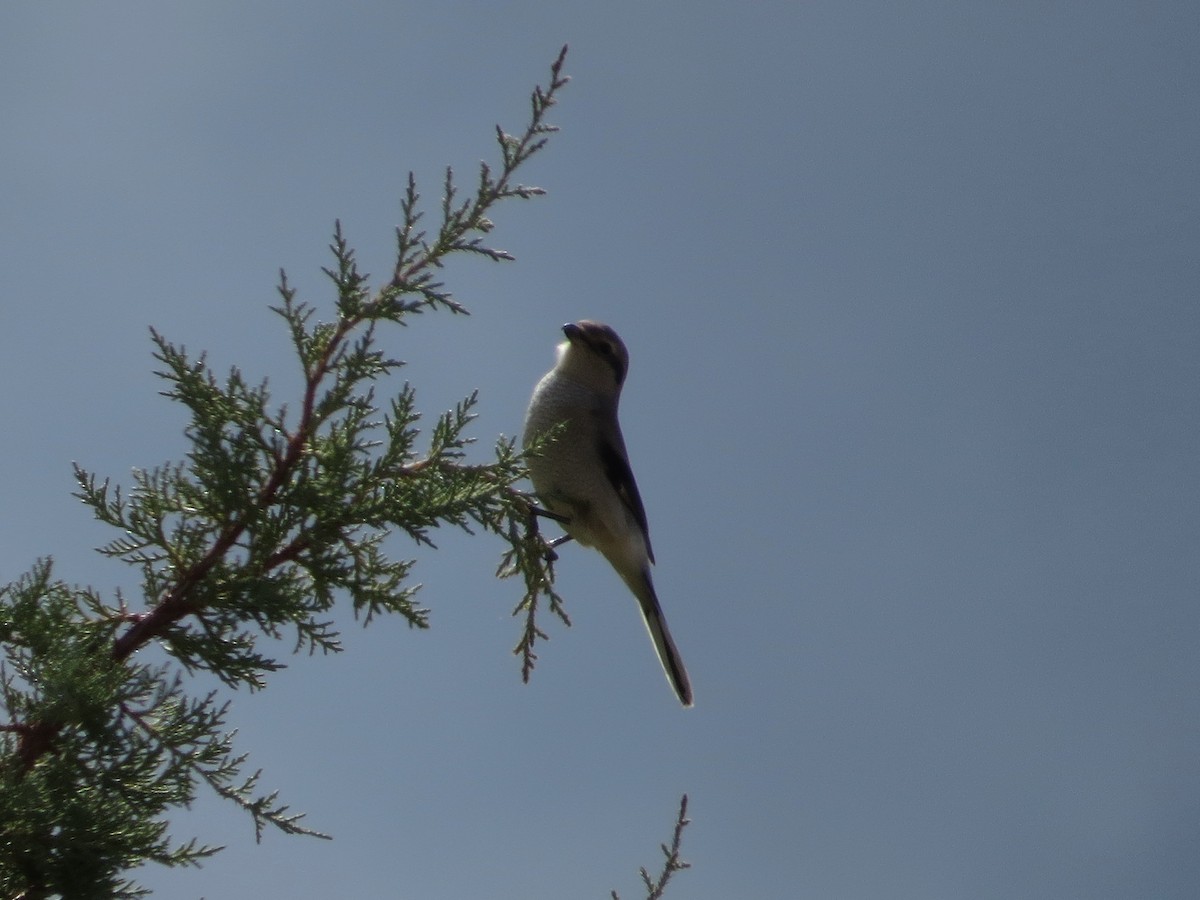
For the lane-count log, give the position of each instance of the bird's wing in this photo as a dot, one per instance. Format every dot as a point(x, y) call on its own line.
point(616, 468)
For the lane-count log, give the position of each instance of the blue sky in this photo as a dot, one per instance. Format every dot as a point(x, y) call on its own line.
point(911, 296)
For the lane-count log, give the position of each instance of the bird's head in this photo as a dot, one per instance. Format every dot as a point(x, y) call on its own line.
point(593, 354)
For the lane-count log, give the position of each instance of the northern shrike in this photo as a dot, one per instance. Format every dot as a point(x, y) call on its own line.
point(582, 475)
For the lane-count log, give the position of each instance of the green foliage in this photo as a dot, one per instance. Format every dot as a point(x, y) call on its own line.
point(82, 796)
point(275, 515)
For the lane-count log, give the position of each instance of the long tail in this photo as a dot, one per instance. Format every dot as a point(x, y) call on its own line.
point(656, 624)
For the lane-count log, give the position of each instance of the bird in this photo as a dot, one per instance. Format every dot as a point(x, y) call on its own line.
point(581, 473)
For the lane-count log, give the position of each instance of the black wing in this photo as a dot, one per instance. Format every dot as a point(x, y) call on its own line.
point(616, 468)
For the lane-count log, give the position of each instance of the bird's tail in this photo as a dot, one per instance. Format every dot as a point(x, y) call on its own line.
point(656, 624)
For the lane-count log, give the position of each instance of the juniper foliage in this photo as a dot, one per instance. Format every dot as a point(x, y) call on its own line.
point(276, 514)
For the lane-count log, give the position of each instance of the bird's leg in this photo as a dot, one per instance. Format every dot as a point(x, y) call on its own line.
point(545, 513)
point(550, 545)
point(558, 541)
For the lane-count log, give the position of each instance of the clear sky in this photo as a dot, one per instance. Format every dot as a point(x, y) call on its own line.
point(911, 295)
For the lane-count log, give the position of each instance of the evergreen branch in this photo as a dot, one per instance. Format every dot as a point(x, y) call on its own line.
point(274, 514)
point(416, 257)
point(324, 351)
point(656, 886)
point(531, 557)
point(211, 761)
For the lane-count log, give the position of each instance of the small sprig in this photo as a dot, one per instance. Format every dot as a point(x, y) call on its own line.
point(530, 556)
point(672, 864)
point(417, 257)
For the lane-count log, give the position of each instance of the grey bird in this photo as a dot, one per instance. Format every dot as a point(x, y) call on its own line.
point(582, 476)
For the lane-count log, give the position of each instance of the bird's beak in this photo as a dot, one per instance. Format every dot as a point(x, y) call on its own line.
point(572, 331)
